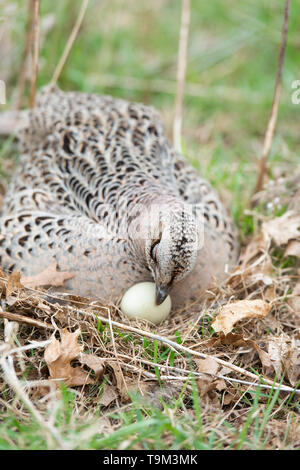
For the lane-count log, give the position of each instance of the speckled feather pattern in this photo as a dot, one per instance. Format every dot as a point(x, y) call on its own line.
point(92, 168)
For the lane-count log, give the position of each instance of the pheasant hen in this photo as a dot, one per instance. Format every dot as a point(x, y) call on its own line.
point(100, 189)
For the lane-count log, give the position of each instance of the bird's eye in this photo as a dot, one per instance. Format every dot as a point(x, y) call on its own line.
point(153, 251)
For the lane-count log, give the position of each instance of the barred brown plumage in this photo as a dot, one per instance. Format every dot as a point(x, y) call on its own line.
point(100, 188)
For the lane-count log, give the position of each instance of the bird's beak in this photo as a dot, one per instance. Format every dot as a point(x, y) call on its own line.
point(161, 293)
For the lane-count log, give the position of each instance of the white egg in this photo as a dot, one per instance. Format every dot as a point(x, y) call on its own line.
point(139, 302)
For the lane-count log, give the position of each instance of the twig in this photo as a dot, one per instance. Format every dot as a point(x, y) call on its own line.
point(13, 381)
point(271, 383)
point(35, 52)
point(282, 388)
point(179, 347)
point(181, 72)
point(274, 110)
point(23, 319)
point(70, 42)
point(33, 345)
point(184, 349)
point(115, 351)
point(23, 67)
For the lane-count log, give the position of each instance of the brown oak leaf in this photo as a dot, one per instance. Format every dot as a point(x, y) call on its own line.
point(58, 357)
point(231, 313)
point(49, 277)
point(284, 228)
point(292, 365)
point(109, 395)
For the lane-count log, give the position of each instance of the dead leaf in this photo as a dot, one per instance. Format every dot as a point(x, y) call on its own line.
point(109, 395)
point(255, 247)
point(269, 367)
point(273, 359)
point(282, 356)
point(231, 396)
point(58, 357)
point(293, 249)
point(13, 283)
point(226, 340)
point(279, 357)
point(208, 388)
point(122, 385)
point(231, 313)
point(93, 362)
point(207, 366)
point(49, 277)
point(258, 271)
point(270, 293)
point(283, 229)
point(292, 364)
point(294, 299)
point(277, 349)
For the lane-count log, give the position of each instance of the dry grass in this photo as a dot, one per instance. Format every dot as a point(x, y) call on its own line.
point(274, 110)
point(158, 363)
point(200, 389)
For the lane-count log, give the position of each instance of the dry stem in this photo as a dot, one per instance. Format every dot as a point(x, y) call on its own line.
point(184, 349)
point(23, 319)
point(35, 51)
point(274, 110)
point(23, 71)
point(11, 378)
point(70, 42)
point(181, 72)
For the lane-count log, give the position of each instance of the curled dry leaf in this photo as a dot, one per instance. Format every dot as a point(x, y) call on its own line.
point(277, 349)
point(255, 266)
point(270, 293)
point(93, 362)
point(208, 388)
point(231, 313)
point(237, 340)
point(257, 246)
point(123, 385)
point(293, 248)
point(226, 340)
point(58, 357)
point(49, 277)
point(282, 356)
point(271, 359)
point(109, 395)
point(231, 395)
point(276, 355)
point(283, 229)
point(292, 364)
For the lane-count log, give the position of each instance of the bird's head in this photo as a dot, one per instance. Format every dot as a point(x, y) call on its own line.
point(171, 247)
